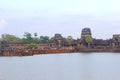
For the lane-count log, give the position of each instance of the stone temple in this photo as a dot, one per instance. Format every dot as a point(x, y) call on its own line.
point(85, 31)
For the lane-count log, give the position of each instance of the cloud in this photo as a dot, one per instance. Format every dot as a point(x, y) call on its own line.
point(3, 23)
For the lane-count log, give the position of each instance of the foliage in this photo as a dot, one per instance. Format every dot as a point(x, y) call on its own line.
point(35, 34)
point(32, 46)
point(69, 39)
point(88, 39)
point(0, 45)
point(35, 40)
point(11, 38)
point(52, 38)
point(44, 39)
point(118, 38)
point(28, 37)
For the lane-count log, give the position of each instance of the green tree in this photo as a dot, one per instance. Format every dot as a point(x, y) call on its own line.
point(88, 39)
point(35, 34)
point(28, 37)
point(52, 38)
point(69, 39)
point(11, 38)
point(44, 39)
point(36, 40)
point(32, 46)
point(118, 38)
point(0, 45)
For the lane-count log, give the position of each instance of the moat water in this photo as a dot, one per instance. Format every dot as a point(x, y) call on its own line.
point(73, 66)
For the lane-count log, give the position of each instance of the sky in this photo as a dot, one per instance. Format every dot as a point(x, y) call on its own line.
point(67, 17)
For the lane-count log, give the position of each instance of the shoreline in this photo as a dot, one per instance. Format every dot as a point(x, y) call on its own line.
point(37, 51)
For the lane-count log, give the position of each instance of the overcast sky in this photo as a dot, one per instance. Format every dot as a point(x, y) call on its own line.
point(67, 17)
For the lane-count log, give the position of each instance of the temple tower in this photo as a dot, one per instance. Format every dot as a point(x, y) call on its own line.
point(58, 39)
point(85, 31)
point(86, 38)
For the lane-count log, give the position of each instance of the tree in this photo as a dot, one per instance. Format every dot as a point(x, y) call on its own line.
point(28, 37)
point(35, 40)
point(52, 38)
point(11, 38)
point(88, 39)
point(69, 39)
point(32, 46)
point(44, 39)
point(118, 38)
point(35, 34)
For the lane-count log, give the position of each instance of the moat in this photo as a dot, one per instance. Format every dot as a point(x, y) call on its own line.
point(73, 66)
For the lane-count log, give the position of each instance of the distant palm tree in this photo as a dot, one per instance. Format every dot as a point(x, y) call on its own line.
point(35, 34)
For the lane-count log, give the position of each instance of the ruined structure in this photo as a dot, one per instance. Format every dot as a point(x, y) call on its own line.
point(58, 39)
point(86, 38)
point(116, 40)
point(85, 32)
point(60, 44)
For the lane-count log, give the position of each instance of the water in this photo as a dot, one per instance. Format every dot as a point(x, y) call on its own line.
point(75, 66)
